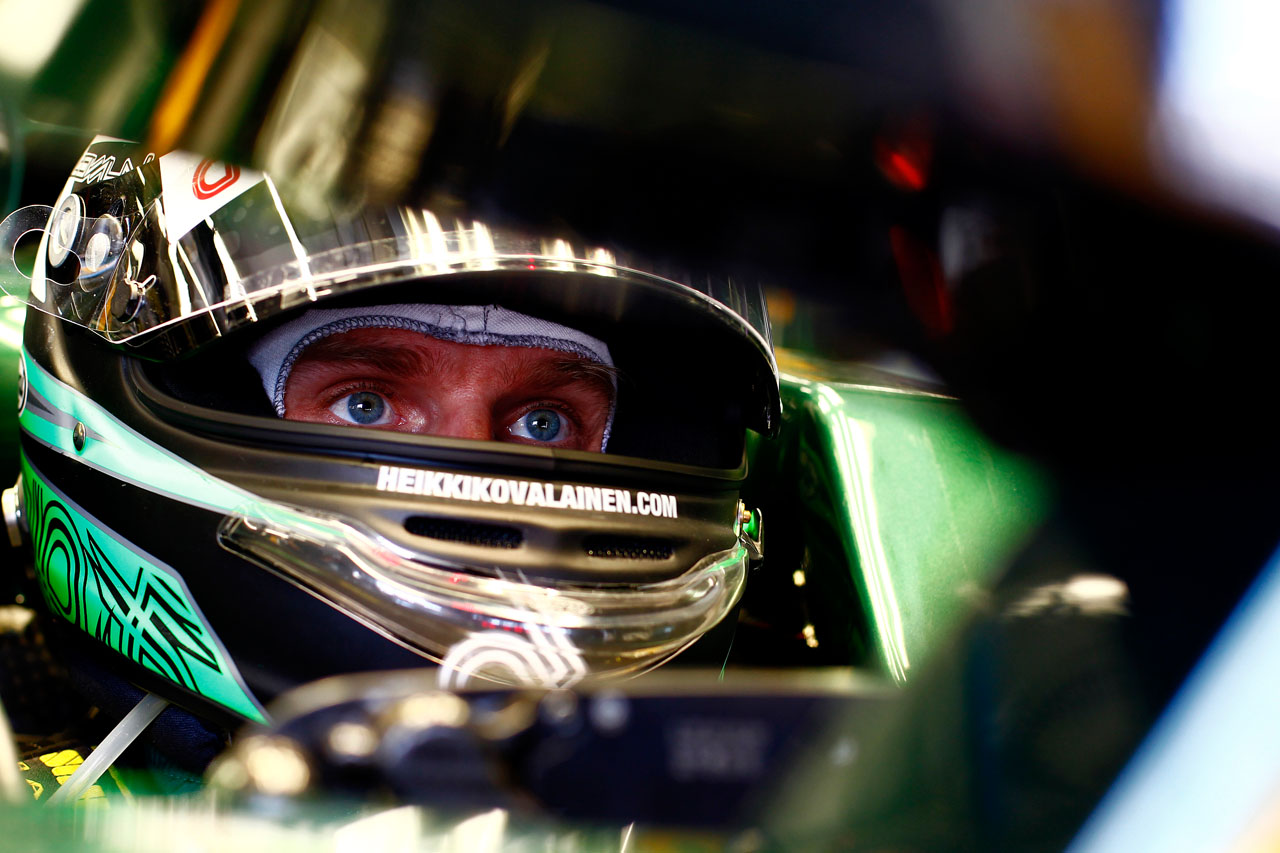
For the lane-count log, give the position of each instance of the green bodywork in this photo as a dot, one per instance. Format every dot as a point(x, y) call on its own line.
point(902, 513)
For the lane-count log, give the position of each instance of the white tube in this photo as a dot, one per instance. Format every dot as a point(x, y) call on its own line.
point(116, 742)
point(12, 788)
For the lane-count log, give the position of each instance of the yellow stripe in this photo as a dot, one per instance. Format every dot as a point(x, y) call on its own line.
point(188, 77)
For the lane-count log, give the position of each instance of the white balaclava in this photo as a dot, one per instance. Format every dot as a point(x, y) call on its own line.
point(484, 325)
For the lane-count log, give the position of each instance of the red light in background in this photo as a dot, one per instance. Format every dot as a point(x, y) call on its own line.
point(923, 283)
point(904, 153)
point(903, 173)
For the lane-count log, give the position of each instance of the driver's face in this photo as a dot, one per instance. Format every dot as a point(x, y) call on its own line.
point(401, 380)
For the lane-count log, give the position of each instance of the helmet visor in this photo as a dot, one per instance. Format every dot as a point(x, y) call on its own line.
point(179, 252)
point(138, 260)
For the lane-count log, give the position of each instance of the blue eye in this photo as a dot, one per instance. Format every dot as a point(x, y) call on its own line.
point(362, 407)
point(539, 425)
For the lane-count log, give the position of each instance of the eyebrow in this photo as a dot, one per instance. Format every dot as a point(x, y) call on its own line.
point(398, 359)
point(599, 377)
point(387, 359)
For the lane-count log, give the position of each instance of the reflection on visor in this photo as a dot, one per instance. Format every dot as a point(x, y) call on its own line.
point(248, 259)
point(493, 628)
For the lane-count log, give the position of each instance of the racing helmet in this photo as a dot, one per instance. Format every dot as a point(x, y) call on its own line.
point(219, 554)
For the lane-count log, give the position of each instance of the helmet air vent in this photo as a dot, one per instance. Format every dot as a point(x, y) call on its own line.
point(469, 532)
point(627, 548)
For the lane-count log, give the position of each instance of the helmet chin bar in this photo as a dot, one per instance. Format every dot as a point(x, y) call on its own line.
point(497, 629)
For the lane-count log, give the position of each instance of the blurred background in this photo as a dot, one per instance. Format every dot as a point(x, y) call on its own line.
point(1062, 212)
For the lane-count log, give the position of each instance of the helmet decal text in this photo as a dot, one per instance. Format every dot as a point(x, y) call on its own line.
point(501, 490)
point(94, 167)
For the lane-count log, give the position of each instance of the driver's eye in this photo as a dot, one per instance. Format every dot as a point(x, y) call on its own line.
point(539, 425)
point(364, 408)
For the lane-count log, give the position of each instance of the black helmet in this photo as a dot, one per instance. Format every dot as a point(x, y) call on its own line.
point(158, 482)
